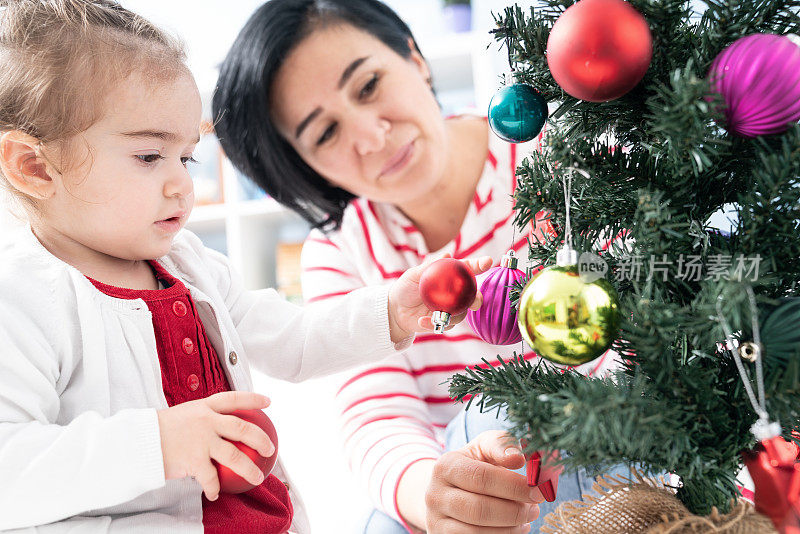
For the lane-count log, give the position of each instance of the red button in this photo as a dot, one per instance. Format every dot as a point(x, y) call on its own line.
point(179, 308)
point(188, 346)
point(193, 382)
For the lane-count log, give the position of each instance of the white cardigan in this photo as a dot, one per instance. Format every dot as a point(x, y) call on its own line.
point(80, 383)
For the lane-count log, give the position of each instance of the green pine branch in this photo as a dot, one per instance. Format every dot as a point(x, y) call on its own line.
point(659, 164)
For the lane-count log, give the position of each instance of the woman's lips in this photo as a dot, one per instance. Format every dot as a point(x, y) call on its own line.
point(399, 160)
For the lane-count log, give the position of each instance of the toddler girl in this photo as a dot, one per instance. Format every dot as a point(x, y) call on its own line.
point(124, 341)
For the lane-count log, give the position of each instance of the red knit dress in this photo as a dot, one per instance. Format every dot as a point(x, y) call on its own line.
point(190, 370)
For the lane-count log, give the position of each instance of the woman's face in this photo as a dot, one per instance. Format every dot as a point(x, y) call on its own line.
point(361, 115)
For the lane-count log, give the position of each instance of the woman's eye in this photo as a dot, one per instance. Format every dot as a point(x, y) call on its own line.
point(149, 158)
point(369, 87)
point(188, 159)
point(327, 134)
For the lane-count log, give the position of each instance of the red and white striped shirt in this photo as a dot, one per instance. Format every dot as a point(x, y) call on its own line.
point(394, 413)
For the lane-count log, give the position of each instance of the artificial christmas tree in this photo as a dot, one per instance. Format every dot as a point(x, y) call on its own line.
point(655, 165)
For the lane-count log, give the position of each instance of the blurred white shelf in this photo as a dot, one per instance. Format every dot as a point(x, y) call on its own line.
point(264, 207)
point(248, 232)
point(210, 213)
point(453, 44)
point(461, 68)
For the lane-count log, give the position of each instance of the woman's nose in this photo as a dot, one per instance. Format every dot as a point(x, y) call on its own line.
point(369, 133)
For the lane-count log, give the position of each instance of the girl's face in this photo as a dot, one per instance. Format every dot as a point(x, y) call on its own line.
point(361, 115)
point(126, 191)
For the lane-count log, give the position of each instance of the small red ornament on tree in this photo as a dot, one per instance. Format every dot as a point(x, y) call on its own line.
point(598, 50)
point(544, 477)
point(447, 287)
point(775, 471)
point(773, 463)
point(229, 481)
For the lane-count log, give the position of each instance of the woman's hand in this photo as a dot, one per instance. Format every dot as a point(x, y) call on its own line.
point(407, 312)
point(474, 490)
point(195, 432)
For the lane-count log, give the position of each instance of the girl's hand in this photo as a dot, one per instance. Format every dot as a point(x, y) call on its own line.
point(407, 312)
point(195, 432)
point(473, 490)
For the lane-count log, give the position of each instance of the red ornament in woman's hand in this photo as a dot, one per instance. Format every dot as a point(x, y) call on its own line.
point(447, 287)
point(229, 481)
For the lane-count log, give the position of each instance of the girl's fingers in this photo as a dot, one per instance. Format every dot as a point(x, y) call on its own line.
point(209, 480)
point(230, 401)
point(227, 454)
point(236, 429)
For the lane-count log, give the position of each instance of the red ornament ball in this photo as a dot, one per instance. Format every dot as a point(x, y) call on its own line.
point(598, 50)
point(447, 285)
point(229, 481)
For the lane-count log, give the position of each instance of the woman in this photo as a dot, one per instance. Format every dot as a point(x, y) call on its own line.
point(328, 106)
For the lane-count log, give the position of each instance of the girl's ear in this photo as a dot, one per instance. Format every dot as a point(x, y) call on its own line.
point(417, 59)
point(24, 166)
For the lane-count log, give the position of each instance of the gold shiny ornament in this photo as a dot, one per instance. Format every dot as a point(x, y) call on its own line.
point(567, 320)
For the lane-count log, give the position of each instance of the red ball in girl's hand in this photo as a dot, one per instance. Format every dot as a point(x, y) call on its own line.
point(229, 481)
point(448, 285)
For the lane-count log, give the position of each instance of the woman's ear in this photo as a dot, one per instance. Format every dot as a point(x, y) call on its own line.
point(24, 166)
point(419, 61)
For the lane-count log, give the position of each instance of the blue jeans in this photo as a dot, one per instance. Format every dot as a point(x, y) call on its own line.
point(465, 427)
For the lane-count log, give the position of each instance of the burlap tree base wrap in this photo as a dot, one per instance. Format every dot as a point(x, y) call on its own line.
point(646, 505)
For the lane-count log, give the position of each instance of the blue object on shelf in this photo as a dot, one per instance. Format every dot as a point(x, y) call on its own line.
point(458, 17)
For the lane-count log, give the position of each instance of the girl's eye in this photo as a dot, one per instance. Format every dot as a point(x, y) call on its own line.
point(369, 87)
point(327, 134)
point(188, 159)
point(149, 158)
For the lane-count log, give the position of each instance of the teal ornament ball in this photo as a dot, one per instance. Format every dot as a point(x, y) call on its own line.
point(517, 113)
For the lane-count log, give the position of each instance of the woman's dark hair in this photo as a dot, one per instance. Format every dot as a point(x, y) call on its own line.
point(241, 101)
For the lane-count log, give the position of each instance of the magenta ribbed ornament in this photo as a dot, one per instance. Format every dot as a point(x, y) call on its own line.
point(496, 320)
point(758, 77)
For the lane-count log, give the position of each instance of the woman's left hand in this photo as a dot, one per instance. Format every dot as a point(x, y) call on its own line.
point(407, 312)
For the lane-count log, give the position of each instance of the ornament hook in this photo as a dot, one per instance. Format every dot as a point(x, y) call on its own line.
point(568, 255)
point(763, 428)
point(440, 320)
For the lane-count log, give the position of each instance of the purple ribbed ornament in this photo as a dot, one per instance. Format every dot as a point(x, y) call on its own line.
point(496, 320)
point(758, 76)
